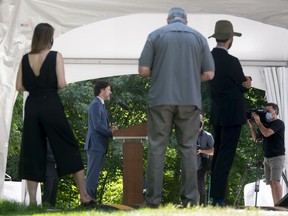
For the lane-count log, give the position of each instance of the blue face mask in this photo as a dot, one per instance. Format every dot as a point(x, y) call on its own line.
point(268, 116)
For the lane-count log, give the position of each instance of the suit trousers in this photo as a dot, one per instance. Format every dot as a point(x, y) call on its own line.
point(161, 120)
point(226, 140)
point(94, 165)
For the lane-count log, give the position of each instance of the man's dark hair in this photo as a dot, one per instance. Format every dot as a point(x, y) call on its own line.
point(101, 84)
point(222, 40)
point(274, 106)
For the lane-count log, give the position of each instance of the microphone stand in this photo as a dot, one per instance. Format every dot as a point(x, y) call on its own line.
point(257, 182)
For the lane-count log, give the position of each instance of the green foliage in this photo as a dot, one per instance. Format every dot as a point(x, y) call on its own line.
point(110, 183)
point(67, 193)
point(76, 98)
point(12, 167)
point(131, 90)
point(172, 172)
point(112, 190)
point(16, 126)
point(15, 138)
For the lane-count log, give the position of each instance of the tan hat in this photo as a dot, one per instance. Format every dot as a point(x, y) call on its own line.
point(224, 30)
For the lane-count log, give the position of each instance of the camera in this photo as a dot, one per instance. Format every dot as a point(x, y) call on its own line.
point(259, 111)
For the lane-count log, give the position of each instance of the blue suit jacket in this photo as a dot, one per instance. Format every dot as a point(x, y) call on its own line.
point(98, 134)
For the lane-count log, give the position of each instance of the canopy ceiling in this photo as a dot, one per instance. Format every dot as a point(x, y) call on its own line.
point(270, 12)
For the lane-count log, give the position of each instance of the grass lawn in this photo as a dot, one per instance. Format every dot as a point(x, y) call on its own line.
point(12, 208)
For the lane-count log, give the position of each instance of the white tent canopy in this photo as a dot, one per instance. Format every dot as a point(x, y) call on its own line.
point(108, 49)
point(104, 38)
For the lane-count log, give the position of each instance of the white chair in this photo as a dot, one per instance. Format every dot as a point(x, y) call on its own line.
point(17, 191)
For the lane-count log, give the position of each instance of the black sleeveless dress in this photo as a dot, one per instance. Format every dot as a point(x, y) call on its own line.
point(44, 117)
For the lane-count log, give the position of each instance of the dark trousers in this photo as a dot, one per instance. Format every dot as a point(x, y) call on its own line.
point(226, 141)
point(201, 175)
point(50, 185)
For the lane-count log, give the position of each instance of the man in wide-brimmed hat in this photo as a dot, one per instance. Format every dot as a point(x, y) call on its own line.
point(224, 30)
point(227, 109)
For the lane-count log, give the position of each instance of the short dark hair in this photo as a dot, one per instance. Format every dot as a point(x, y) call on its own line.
point(100, 84)
point(274, 106)
point(222, 40)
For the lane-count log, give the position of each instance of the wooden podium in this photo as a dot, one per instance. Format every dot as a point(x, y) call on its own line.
point(132, 162)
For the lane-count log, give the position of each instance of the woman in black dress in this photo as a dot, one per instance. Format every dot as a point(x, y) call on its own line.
point(41, 73)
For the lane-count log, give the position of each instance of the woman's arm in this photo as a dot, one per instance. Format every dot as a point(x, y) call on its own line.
point(19, 82)
point(60, 71)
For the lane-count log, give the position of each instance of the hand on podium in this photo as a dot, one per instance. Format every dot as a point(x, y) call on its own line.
point(113, 128)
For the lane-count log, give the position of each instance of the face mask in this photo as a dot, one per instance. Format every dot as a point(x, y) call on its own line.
point(268, 116)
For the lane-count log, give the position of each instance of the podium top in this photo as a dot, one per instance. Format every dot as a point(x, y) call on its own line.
point(133, 132)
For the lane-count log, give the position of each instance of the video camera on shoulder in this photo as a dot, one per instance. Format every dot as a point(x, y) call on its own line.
point(259, 111)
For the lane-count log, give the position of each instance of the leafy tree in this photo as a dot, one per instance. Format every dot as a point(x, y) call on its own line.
point(16, 126)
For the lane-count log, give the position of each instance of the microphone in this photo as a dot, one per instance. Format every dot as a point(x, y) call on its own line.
point(123, 106)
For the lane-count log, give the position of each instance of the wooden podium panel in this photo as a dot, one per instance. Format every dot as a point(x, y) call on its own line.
point(133, 175)
point(132, 172)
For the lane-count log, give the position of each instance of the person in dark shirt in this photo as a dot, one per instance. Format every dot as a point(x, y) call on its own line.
point(205, 148)
point(274, 149)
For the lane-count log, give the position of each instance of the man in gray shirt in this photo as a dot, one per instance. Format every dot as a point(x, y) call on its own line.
point(176, 58)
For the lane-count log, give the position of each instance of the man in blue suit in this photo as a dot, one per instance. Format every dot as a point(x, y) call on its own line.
point(98, 135)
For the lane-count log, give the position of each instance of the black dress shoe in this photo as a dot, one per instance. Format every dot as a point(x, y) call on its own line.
point(90, 204)
point(186, 203)
point(219, 202)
